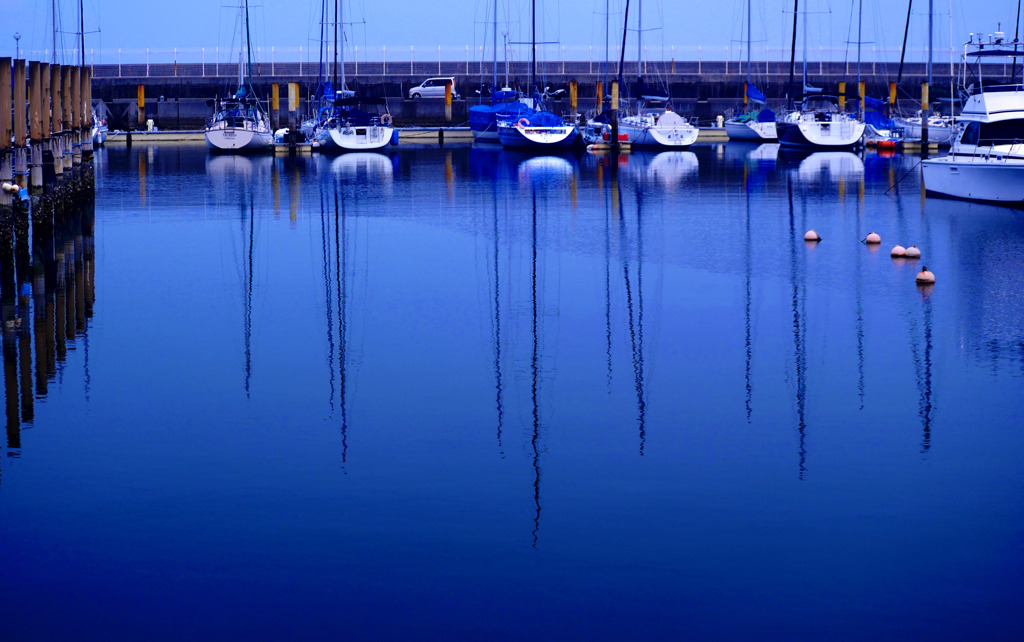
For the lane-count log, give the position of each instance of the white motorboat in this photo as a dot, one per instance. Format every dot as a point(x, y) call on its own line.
point(986, 162)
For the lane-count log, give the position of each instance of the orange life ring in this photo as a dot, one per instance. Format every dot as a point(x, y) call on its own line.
point(385, 120)
point(523, 122)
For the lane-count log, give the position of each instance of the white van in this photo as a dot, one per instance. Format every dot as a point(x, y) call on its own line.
point(433, 88)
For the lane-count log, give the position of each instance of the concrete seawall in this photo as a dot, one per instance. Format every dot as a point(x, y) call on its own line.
point(176, 94)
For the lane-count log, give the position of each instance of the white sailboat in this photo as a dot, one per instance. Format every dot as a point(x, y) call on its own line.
point(757, 125)
point(654, 125)
point(350, 128)
point(240, 124)
point(820, 123)
point(986, 163)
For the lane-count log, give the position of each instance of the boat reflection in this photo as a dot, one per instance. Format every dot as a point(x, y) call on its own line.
point(545, 169)
point(668, 169)
point(238, 166)
point(364, 167)
point(830, 167)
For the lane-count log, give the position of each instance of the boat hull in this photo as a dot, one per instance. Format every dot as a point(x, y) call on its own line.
point(99, 135)
point(355, 138)
point(488, 134)
point(975, 179)
point(237, 139)
point(821, 135)
point(529, 137)
point(943, 134)
point(659, 137)
point(751, 131)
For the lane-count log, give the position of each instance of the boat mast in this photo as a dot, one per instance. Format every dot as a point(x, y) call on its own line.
point(639, 36)
point(860, 24)
point(903, 52)
point(334, 75)
point(792, 52)
point(805, 55)
point(81, 30)
point(607, 20)
point(243, 14)
point(748, 48)
point(494, 84)
point(929, 47)
point(622, 50)
point(55, 32)
point(341, 49)
point(533, 46)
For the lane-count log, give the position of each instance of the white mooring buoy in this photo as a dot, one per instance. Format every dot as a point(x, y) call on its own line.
point(811, 236)
point(873, 238)
point(912, 252)
point(924, 277)
point(898, 252)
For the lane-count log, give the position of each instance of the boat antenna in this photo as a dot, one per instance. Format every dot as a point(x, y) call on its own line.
point(903, 52)
point(792, 52)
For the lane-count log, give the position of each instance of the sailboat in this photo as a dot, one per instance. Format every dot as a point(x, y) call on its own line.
point(819, 123)
point(941, 129)
point(240, 124)
point(348, 127)
point(756, 125)
point(654, 124)
point(534, 128)
point(483, 119)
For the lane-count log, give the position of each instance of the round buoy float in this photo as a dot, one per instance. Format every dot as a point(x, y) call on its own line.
point(924, 277)
point(811, 236)
point(912, 252)
point(873, 238)
point(898, 251)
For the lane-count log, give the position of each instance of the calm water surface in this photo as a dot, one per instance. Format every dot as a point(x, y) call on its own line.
point(463, 394)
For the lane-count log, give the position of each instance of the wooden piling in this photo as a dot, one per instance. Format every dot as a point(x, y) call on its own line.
point(76, 115)
point(862, 88)
point(600, 96)
point(142, 105)
point(448, 101)
point(275, 106)
point(573, 95)
point(842, 95)
point(36, 124)
point(86, 112)
point(614, 138)
point(6, 167)
point(925, 113)
point(20, 125)
point(65, 102)
point(56, 119)
point(293, 104)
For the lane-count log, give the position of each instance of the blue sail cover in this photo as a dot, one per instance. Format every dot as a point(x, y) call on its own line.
point(878, 120)
point(766, 116)
point(755, 95)
point(874, 103)
point(484, 117)
point(545, 119)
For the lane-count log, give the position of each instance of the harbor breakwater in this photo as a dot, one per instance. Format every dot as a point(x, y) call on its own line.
point(175, 95)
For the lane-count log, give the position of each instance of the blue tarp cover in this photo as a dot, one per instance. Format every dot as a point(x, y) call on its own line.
point(545, 119)
point(754, 94)
point(878, 120)
point(766, 116)
point(874, 103)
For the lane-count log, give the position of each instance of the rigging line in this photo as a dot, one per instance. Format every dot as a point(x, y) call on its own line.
point(909, 172)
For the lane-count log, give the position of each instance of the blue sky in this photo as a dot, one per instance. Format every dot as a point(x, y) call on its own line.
point(679, 28)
